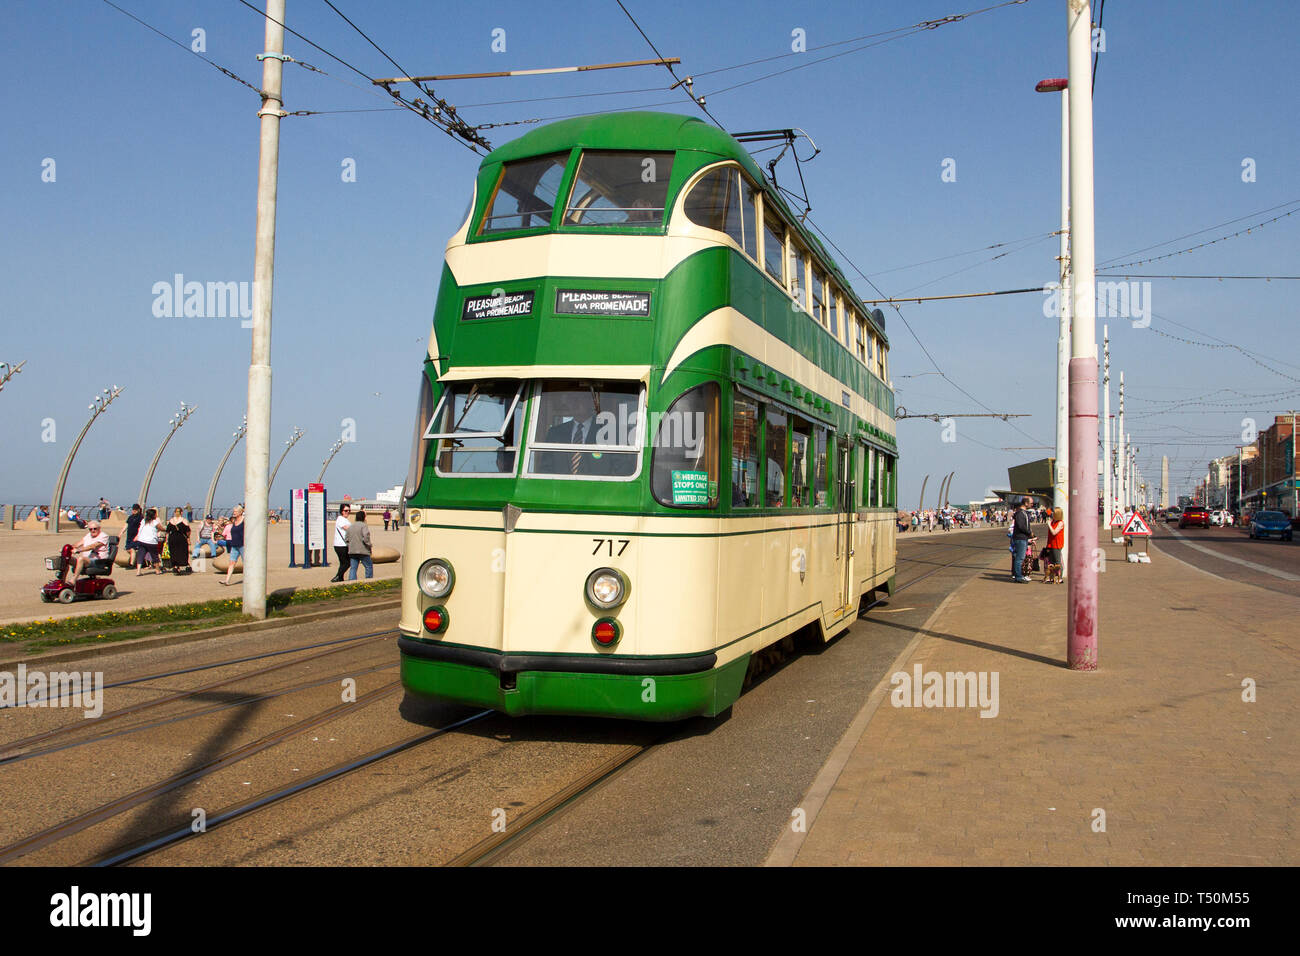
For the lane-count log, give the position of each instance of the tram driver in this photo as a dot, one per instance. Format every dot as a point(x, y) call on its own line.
point(577, 425)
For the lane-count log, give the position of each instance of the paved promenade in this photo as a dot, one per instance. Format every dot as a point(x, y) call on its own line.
point(22, 569)
point(1159, 739)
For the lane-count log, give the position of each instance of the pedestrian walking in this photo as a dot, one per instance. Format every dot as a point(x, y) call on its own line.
point(189, 513)
point(234, 540)
point(147, 546)
point(388, 516)
point(105, 509)
point(1055, 543)
point(1020, 536)
point(359, 547)
point(341, 525)
point(178, 544)
point(129, 532)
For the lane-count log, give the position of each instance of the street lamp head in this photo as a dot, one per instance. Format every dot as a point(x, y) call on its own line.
point(1053, 85)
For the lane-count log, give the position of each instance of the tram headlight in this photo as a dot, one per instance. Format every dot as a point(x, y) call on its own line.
point(436, 578)
point(606, 588)
point(412, 518)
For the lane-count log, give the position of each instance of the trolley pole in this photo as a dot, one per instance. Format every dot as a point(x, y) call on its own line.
point(1082, 582)
point(258, 453)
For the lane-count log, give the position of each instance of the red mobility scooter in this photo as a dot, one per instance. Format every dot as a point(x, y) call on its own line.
point(93, 583)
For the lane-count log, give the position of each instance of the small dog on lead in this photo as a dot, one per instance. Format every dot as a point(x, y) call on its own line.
point(1052, 574)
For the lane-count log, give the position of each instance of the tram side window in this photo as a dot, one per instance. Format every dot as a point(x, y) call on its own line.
point(819, 469)
point(478, 426)
point(775, 451)
point(874, 487)
point(525, 195)
point(749, 218)
point(620, 188)
point(891, 468)
point(821, 311)
point(715, 203)
point(773, 246)
point(797, 280)
point(744, 453)
point(862, 339)
point(684, 467)
point(868, 463)
point(800, 433)
point(420, 446)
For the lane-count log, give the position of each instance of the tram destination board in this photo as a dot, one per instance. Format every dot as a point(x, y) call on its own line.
point(499, 306)
point(597, 302)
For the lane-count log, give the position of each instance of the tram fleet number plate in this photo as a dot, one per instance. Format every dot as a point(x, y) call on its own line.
point(595, 302)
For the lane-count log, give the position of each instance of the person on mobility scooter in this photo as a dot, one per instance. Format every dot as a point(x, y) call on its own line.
point(91, 557)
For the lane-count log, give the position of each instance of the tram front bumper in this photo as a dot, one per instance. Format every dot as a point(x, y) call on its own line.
point(635, 688)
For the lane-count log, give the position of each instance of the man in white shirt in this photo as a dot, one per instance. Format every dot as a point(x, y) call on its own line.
point(341, 525)
point(92, 547)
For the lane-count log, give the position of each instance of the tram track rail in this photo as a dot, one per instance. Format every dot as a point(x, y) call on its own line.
point(112, 808)
point(252, 698)
point(483, 853)
point(11, 750)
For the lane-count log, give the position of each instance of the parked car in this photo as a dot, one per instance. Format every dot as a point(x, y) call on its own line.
point(1173, 514)
point(1268, 523)
point(1194, 515)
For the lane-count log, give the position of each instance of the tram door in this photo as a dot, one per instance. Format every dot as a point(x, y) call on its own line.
point(844, 523)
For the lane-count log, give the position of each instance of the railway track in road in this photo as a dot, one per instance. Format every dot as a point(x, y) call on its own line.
point(113, 808)
point(13, 751)
point(485, 852)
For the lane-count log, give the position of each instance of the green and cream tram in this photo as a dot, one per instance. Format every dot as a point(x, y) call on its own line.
point(655, 431)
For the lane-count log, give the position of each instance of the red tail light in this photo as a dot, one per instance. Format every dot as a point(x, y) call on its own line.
point(606, 632)
point(435, 620)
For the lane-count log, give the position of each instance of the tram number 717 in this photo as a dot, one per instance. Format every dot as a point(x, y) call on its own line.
point(609, 543)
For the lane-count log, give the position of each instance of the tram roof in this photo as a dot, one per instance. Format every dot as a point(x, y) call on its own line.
point(649, 130)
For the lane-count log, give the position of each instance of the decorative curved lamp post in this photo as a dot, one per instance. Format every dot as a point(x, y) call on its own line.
point(293, 440)
point(334, 450)
point(176, 421)
point(96, 406)
point(8, 371)
point(239, 434)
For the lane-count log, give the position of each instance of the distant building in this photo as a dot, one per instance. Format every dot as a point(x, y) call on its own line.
point(1033, 478)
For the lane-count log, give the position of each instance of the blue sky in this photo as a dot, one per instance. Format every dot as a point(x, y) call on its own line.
point(155, 158)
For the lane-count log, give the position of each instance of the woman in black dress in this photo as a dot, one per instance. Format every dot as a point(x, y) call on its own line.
point(178, 543)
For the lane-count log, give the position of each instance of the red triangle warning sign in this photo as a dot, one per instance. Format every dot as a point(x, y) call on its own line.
point(1136, 526)
point(1116, 519)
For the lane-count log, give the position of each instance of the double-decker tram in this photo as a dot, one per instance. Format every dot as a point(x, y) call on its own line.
point(655, 431)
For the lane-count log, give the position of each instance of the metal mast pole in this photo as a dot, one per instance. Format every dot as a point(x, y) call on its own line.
point(97, 406)
point(1107, 467)
point(1061, 489)
point(1120, 494)
point(293, 440)
point(175, 422)
point(212, 488)
point(258, 454)
point(1082, 624)
point(334, 450)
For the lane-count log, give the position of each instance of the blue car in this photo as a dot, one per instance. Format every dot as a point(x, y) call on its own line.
point(1269, 523)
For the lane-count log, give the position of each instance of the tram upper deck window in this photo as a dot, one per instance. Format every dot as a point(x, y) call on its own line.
point(796, 280)
point(478, 425)
point(585, 429)
point(862, 338)
point(620, 188)
point(526, 194)
point(684, 466)
point(773, 246)
point(723, 200)
point(820, 311)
